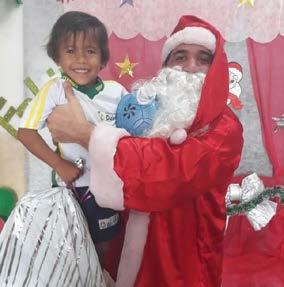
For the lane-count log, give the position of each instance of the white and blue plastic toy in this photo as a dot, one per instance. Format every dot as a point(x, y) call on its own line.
point(136, 118)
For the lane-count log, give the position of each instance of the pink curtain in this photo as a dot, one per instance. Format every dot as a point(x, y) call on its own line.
point(256, 258)
point(267, 71)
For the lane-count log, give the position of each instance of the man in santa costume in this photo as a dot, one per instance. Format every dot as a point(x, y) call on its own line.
point(182, 186)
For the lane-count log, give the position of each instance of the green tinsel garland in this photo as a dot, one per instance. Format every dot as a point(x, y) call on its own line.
point(19, 111)
point(242, 208)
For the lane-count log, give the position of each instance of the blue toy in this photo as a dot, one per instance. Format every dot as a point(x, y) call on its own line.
point(136, 118)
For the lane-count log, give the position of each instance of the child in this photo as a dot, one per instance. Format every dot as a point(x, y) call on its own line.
point(79, 45)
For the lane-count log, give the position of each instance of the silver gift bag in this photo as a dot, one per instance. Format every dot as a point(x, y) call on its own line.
point(46, 242)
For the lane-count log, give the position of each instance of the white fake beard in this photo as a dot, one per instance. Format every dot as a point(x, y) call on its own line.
point(178, 95)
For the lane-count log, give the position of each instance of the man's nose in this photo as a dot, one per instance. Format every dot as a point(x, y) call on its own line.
point(191, 66)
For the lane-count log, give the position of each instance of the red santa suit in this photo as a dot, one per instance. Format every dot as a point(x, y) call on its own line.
point(183, 187)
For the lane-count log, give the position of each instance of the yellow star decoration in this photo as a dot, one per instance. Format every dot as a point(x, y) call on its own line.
point(126, 67)
point(246, 2)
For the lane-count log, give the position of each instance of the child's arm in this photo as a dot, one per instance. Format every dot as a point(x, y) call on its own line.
point(31, 139)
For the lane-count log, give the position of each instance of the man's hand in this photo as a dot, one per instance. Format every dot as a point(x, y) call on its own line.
point(67, 123)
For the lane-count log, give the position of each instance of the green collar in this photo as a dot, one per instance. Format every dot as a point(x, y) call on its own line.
point(90, 92)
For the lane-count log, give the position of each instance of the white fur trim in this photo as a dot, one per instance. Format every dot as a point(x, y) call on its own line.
point(178, 136)
point(104, 182)
point(189, 35)
point(133, 248)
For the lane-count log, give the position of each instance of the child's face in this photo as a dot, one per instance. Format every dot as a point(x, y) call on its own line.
point(80, 58)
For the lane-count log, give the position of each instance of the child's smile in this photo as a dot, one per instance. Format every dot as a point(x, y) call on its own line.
point(80, 58)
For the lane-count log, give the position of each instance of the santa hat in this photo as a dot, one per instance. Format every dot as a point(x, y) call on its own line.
point(236, 69)
point(186, 33)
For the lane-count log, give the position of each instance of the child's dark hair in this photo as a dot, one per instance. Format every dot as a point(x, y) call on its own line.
point(72, 23)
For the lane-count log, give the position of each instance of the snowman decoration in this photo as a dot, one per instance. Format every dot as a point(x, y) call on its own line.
point(235, 76)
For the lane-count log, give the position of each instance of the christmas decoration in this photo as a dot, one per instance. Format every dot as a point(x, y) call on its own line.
point(4, 121)
point(63, 1)
point(19, 2)
point(141, 18)
point(50, 72)
point(279, 121)
point(19, 111)
point(8, 199)
point(251, 188)
point(235, 76)
point(126, 67)
point(122, 2)
point(240, 209)
point(246, 2)
point(252, 199)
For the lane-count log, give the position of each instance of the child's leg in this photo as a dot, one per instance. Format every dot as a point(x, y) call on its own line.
point(102, 248)
point(104, 223)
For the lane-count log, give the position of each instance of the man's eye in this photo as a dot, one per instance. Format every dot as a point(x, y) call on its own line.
point(179, 58)
point(205, 59)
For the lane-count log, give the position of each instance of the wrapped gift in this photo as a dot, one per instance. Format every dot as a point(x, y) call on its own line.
point(46, 242)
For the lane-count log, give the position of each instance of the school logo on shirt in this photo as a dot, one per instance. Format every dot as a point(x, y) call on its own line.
point(106, 117)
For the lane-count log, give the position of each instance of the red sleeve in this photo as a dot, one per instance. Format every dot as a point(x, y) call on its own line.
point(157, 176)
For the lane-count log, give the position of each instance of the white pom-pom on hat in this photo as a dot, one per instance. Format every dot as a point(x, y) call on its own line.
point(178, 136)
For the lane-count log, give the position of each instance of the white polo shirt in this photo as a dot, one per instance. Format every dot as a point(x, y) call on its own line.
point(101, 108)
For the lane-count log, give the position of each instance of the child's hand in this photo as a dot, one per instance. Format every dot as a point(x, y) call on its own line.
point(68, 171)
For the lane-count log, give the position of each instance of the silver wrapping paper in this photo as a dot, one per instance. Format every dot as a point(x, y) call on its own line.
point(46, 242)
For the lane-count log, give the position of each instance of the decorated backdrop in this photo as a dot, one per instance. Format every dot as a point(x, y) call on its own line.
point(137, 29)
